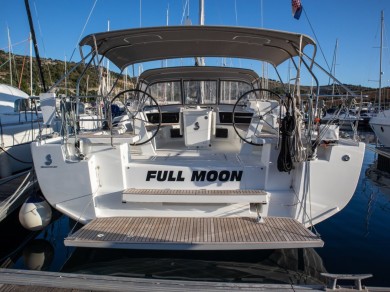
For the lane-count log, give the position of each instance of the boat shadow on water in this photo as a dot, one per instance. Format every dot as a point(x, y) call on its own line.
point(287, 266)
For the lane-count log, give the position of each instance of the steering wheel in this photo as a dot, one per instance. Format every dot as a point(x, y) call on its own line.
point(137, 102)
point(242, 103)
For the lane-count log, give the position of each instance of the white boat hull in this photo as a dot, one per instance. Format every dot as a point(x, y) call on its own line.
point(15, 139)
point(381, 127)
point(96, 186)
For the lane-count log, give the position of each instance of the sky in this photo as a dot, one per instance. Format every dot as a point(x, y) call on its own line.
point(355, 24)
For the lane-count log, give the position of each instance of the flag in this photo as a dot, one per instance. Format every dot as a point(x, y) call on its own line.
point(296, 8)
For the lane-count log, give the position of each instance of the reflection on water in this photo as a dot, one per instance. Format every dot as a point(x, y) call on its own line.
point(357, 238)
point(381, 179)
point(301, 266)
point(38, 255)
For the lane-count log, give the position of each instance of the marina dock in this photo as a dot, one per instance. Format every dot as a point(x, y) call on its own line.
point(21, 280)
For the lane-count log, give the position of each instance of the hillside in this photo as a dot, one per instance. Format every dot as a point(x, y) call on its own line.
point(54, 70)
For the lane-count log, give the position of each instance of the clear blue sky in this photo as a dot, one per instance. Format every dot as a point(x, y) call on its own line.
point(355, 23)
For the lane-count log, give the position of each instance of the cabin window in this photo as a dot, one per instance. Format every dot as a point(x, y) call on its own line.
point(21, 105)
point(231, 91)
point(166, 92)
point(200, 92)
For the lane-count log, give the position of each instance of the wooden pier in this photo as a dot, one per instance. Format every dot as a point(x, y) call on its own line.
point(193, 234)
point(22, 280)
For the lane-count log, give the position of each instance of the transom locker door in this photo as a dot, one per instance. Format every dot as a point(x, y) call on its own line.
point(197, 127)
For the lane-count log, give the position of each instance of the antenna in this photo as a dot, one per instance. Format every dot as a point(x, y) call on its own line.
point(380, 62)
point(140, 13)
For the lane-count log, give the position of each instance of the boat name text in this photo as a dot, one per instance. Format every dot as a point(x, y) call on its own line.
point(197, 175)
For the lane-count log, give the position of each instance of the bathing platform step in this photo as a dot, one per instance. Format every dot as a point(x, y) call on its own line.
point(195, 196)
point(183, 233)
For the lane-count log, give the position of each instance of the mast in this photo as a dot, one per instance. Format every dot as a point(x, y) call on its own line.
point(31, 66)
point(201, 22)
point(380, 62)
point(108, 77)
point(9, 56)
point(334, 67)
point(66, 78)
point(35, 45)
point(201, 12)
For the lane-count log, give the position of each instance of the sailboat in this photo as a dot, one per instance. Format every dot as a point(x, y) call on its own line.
point(189, 165)
point(20, 124)
point(381, 122)
point(18, 127)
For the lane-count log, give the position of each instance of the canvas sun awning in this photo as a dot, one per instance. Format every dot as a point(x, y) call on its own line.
point(126, 47)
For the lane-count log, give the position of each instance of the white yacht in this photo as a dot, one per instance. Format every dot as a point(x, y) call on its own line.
point(203, 157)
point(20, 123)
point(380, 124)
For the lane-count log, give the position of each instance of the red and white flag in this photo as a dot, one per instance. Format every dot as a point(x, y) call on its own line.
point(296, 8)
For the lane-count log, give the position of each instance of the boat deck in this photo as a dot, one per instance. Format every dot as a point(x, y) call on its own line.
point(184, 233)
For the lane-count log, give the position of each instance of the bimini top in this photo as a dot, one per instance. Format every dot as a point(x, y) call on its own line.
point(126, 47)
point(198, 72)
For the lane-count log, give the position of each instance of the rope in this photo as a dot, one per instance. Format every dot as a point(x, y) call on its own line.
point(18, 192)
point(4, 63)
point(300, 153)
point(378, 151)
point(285, 161)
point(13, 157)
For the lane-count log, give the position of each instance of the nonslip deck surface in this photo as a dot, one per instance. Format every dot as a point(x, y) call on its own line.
point(193, 233)
point(197, 192)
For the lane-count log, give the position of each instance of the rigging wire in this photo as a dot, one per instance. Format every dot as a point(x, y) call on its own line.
point(13, 157)
point(43, 42)
point(185, 8)
point(82, 32)
point(15, 44)
point(4, 63)
point(315, 36)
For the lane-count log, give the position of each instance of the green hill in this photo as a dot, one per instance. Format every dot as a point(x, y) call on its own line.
point(55, 69)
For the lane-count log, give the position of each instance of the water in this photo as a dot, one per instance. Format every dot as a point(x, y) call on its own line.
point(357, 240)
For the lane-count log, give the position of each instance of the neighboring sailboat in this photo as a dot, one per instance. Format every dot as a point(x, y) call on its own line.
point(20, 124)
point(381, 122)
point(381, 127)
